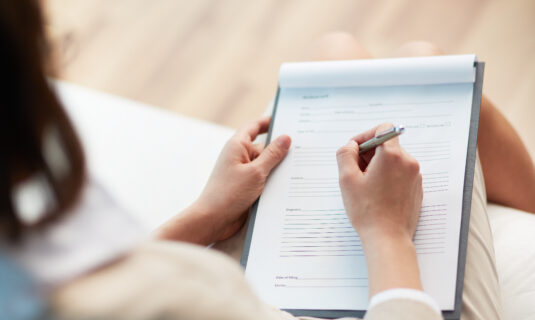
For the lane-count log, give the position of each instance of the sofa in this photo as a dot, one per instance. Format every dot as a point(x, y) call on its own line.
point(154, 163)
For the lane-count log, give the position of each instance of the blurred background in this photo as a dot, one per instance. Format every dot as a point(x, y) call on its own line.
point(218, 60)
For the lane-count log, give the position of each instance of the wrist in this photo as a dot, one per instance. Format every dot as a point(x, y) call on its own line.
point(202, 222)
point(392, 263)
point(192, 225)
point(385, 244)
point(383, 233)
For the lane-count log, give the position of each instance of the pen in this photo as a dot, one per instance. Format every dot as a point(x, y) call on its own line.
point(381, 138)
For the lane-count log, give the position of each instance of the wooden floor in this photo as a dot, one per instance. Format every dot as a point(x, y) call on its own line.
point(218, 59)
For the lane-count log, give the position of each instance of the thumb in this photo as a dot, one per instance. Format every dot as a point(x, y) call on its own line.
point(273, 153)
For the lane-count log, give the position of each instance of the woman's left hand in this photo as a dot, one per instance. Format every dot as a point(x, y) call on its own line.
point(235, 183)
point(239, 177)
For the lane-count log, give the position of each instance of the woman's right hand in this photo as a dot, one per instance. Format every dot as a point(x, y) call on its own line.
point(382, 189)
point(382, 194)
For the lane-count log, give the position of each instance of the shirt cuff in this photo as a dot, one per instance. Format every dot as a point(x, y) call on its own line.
point(403, 293)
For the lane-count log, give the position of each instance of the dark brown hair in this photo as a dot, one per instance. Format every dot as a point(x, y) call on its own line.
point(28, 110)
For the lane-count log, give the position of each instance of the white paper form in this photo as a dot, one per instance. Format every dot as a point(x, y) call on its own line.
point(304, 253)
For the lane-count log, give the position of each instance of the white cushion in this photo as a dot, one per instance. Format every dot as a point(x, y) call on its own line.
point(153, 162)
point(514, 245)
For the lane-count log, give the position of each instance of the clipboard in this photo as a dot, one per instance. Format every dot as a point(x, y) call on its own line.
point(465, 217)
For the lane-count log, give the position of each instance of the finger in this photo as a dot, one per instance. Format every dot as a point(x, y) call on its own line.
point(391, 143)
point(366, 135)
point(365, 158)
point(347, 157)
point(406, 154)
point(419, 187)
point(255, 150)
point(254, 128)
point(273, 154)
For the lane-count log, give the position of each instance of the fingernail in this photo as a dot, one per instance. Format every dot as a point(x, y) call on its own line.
point(284, 141)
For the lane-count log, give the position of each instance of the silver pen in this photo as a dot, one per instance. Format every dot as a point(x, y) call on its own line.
point(381, 138)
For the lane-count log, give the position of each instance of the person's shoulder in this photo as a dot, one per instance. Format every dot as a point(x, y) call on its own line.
point(162, 278)
point(180, 258)
point(19, 297)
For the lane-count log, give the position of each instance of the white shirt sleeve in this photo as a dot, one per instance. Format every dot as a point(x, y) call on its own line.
point(403, 293)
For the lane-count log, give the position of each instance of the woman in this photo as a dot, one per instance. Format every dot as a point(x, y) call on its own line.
point(168, 278)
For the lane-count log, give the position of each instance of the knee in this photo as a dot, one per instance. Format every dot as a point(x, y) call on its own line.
point(417, 49)
point(339, 38)
point(338, 45)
